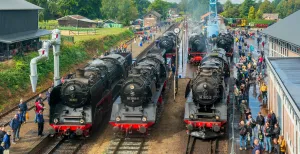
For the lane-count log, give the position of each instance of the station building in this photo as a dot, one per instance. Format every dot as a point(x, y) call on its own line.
point(283, 69)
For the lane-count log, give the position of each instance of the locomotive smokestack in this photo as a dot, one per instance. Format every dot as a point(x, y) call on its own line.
point(80, 73)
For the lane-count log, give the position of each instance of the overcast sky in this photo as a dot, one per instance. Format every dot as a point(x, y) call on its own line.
point(221, 1)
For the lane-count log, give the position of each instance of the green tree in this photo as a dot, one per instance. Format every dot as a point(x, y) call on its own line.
point(266, 7)
point(108, 10)
point(257, 4)
point(244, 8)
point(183, 5)
point(228, 5)
point(160, 6)
point(127, 11)
point(251, 14)
point(258, 14)
point(142, 6)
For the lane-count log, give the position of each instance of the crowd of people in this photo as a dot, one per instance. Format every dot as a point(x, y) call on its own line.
point(262, 133)
point(12, 136)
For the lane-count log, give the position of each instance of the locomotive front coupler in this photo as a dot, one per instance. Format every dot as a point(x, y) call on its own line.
point(204, 135)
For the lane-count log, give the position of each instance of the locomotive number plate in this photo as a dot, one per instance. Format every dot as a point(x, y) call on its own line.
point(205, 97)
point(73, 100)
point(133, 98)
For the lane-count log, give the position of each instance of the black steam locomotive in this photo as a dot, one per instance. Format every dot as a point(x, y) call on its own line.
point(168, 43)
point(197, 48)
point(141, 95)
point(78, 105)
point(206, 107)
point(226, 42)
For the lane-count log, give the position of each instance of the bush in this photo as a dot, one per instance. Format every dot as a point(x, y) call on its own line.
point(14, 81)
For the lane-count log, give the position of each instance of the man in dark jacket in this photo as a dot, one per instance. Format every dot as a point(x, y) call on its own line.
point(39, 99)
point(23, 108)
point(260, 121)
point(273, 117)
point(276, 131)
point(249, 133)
point(21, 121)
point(15, 124)
point(268, 134)
point(276, 146)
point(40, 121)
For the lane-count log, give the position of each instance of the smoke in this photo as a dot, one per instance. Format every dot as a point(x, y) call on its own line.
point(197, 8)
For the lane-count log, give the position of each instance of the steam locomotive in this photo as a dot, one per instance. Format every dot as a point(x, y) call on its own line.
point(141, 95)
point(168, 42)
point(226, 41)
point(197, 48)
point(206, 106)
point(79, 104)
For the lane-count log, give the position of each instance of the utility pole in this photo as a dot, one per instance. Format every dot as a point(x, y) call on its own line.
point(176, 31)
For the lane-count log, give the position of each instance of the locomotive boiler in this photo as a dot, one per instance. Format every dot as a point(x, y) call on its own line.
point(197, 48)
point(206, 107)
point(79, 104)
point(141, 96)
point(226, 42)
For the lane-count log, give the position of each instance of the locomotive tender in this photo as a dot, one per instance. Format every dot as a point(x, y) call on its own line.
point(141, 95)
point(79, 104)
point(206, 106)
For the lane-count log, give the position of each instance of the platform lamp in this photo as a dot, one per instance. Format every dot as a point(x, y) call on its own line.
point(176, 31)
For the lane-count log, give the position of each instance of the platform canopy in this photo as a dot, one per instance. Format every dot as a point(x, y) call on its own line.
point(23, 36)
point(286, 29)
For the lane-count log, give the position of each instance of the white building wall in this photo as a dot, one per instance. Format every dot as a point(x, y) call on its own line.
point(279, 48)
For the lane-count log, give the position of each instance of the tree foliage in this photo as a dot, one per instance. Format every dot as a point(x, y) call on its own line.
point(251, 14)
point(142, 6)
point(244, 8)
point(266, 7)
point(160, 6)
point(258, 14)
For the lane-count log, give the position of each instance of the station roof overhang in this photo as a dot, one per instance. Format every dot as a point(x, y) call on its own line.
point(286, 29)
point(286, 70)
point(23, 36)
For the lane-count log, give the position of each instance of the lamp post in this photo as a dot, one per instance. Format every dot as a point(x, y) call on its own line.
point(176, 31)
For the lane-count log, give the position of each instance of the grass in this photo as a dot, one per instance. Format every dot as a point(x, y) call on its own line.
point(100, 33)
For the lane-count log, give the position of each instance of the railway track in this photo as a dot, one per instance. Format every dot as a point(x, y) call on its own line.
point(135, 145)
point(206, 146)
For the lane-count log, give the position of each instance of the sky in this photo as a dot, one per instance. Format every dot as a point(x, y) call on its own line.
point(221, 1)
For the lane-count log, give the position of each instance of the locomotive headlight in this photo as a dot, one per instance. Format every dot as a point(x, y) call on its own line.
point(217, 117)
point(81, 121)
point(72, 88)
point(118, 118)
point(191, 116)
point(131, 86)
point(144, 119)
point(55, 120)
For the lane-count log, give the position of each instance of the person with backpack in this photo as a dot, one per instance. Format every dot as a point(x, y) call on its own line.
point(2, 133)
point(250, 134)
point(15, 124)
point(243, 133)
point(268, 135)
point(261, 138)
point(274, 119)
point(260, 121)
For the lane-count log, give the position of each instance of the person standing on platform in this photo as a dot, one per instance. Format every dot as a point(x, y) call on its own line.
point(256, 146)
point(40, 121)
point(282, 144)
point(276, 146)
point(48, 96)
point(268, 135)
point(260, 120)
point(243, 133)
point(21, 122)
point(38, 108)
point(23, 108)
point(15, 124)
point(6, 140)
point(2, 148)
point(39, 98)
point(2, 133)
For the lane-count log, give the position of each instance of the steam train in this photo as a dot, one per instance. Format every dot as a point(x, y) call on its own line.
point(226, 41)
point(78, 106)
point(168, 42)
point(206, 106)
point(141, 99)
point(197, 48)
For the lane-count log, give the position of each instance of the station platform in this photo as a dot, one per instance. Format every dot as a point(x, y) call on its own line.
point(28, 134)
point(254, 104)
